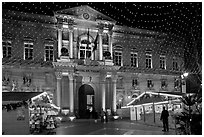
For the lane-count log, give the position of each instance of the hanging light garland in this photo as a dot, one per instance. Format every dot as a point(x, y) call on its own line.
point(14, 106)
point(177, 19)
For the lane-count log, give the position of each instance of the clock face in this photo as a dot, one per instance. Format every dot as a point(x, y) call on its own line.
point(86, 16)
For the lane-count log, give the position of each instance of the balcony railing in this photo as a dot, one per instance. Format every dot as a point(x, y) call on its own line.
point(106, 62)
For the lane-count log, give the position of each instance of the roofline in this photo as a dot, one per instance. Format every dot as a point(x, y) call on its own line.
point(155, 103)
point(112, 20)
point(153, 93)
point(138, 30)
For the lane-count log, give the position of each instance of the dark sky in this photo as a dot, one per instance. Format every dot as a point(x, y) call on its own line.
point(171, 17)
point(183, 19)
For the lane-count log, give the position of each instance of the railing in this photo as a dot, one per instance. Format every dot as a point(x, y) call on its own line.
point(106, 62)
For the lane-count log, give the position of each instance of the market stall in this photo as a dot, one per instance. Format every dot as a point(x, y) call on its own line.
point(15, 112)
point(43, 114)
point(152, 103)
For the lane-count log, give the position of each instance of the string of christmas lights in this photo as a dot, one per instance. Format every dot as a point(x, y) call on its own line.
point(175, 18)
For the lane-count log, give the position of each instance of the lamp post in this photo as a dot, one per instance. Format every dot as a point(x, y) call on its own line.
point(183, 82)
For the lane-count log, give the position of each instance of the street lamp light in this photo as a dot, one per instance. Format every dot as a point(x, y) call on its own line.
point(183, 82)
point(185, 74)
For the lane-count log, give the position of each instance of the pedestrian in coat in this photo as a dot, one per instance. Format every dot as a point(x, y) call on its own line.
point(106, 115)
point(102, 115)
point(164, 118)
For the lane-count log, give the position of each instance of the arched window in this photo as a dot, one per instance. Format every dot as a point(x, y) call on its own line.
point(85, 47)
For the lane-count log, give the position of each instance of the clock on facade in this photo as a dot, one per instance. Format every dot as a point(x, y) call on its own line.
point(86, 16)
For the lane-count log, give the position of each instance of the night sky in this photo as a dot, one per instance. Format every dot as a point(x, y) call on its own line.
point(183, 19)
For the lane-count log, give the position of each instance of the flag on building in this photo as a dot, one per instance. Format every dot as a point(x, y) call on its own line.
point(95, 43)
point(88, 39)
point(78, 40)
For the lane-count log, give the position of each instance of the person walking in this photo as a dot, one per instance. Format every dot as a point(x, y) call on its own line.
point(164, 118)
point(102, 116)
point(106, 115)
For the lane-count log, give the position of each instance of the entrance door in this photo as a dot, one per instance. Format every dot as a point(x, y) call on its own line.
point(86, 101)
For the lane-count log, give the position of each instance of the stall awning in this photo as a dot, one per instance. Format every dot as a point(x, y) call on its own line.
point(18, 96)
point(154, 97)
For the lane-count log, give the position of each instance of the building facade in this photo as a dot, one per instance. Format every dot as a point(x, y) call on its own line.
point(83, 59)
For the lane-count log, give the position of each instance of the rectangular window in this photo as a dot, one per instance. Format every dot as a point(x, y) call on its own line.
point(89, 99)
point(134, 59)
point(162, 62)
point(148, 60)
point(149, 83)
point(6, 48)
point(175, 64)
point(28, 50)
point(118, 58)
point(176, 83)
point(134, 83)
point(85, 51)
point(82, 54)
point(49, 54)
point(163, 83)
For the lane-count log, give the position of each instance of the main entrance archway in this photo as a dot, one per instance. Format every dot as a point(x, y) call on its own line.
point(86, 101)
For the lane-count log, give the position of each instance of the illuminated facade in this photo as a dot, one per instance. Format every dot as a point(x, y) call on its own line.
point(83, 59)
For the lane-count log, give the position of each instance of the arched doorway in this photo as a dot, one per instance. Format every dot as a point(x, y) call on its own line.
point(86, 101)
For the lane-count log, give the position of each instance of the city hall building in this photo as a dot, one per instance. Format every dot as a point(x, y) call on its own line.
point(83, 59)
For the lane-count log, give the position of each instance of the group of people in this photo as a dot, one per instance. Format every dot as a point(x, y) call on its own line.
point(91, 113)
point(103, 115)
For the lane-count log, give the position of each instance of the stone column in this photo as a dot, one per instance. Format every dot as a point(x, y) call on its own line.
point(71, 94)
point(71, 30)
point(100, 45)
point(108, 104)
point(103, 91)
point(59, 41)
point(58, 91)
point(114, 80)
point(110, 43)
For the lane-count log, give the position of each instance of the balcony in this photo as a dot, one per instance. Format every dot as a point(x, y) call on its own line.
point(109, 62)
point(65, 61)
point(106, 62)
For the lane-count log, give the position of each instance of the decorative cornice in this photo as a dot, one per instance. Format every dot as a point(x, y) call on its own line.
point(63, 64)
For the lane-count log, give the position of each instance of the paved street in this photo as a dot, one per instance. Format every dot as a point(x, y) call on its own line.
point(119, 127)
